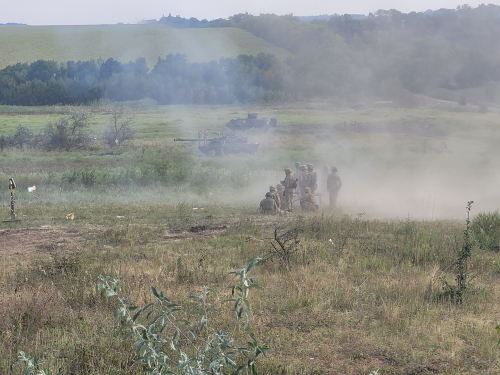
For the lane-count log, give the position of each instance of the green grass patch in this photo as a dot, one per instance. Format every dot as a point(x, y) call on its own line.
point(126, 43)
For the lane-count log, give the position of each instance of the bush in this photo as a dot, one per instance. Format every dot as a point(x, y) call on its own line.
point(455, 292)
point(68, 133)
point(119, 129)
point(169, 340)
point(486, 229)
point(4, 141)
point(23, 136)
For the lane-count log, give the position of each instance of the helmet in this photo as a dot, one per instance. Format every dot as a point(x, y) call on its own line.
point(279, 186)
point(268, 195)
point(333, 168)
point(297, 164)
point(302, 167)
point(288, 170)
point(272, 188)
point(310, 167)
point(307, 190)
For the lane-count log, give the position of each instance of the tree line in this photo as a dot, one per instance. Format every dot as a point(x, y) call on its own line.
point(386, 56)
point(383, 54)
point(173, 80)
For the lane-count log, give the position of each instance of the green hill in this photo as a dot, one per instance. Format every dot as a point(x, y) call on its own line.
point(126, 43)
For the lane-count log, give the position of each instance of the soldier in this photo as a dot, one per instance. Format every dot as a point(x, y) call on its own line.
point(268, 205)
point(312, 178)
point(333, 186)
point(281, 193)
point(302, 180)
point(297, 168)
point(297, 175)
point(308, 202)
point(276, 196)
point(324, 175)
point(289, 183)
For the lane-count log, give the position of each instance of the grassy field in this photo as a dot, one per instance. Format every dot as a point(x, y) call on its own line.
point(126, 43)
point(362, 291)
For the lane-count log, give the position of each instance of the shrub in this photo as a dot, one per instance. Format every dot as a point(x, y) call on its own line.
point(33, 365)
point(286, 243)
point(4, 141)
point(23, 136)
point(454, 293)
point(169, 341)
point(67, 133)
point(119, 129)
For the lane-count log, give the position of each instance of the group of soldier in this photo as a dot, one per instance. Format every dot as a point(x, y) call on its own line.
point(303, 184)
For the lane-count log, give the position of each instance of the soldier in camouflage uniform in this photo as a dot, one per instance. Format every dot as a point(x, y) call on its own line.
point(297, 175)
point(297, 169)
point(333, 186)
point(324, 176)
point(289, 183)
point(312, 178)
point(276, 196)
point(281, 193)
point(302, 182)
point(308, 202)
point(268, 205)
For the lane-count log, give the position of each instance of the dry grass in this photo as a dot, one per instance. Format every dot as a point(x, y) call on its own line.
point(360, 303)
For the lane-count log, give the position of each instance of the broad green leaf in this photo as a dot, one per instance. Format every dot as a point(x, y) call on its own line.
point(213, 291)
point(246, 320)
point(236, 302)
point(128, 335)
point(249, 310)
point(155, 293)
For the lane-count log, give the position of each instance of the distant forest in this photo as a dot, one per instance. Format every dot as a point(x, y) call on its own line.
point(386, 55)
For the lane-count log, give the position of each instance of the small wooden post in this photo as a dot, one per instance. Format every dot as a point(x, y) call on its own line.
point(12, 186)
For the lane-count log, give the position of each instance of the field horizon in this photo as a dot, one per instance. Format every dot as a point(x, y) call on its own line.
point(124, 43)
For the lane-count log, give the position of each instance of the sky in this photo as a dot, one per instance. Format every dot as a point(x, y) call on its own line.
point(92, 12)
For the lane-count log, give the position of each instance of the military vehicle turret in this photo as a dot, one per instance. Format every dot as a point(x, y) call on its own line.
point(252, 122)
point(223, 145)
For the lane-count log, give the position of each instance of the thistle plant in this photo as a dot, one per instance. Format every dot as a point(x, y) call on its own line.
point(171, 340)
point(33, 365)
point(455, 292)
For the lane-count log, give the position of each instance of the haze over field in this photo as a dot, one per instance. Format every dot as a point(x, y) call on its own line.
point(126, 43)
point(393, 167)
point(143, 151)
point(92, 12)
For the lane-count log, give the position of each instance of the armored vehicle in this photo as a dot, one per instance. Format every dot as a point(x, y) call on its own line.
point(252, 122)
point(223, 145)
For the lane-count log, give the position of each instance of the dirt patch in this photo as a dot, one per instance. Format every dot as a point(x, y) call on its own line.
point(26, 240)
point(48, 239)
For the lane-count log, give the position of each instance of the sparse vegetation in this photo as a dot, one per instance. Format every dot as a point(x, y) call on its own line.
point(194, 341)
point(357, 296)
point(379, 278)
point(120, 129)
point(456, 292)
point(486, 229)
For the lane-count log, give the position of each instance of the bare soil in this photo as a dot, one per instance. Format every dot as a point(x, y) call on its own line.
point(46, 238)
point(26, 240)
